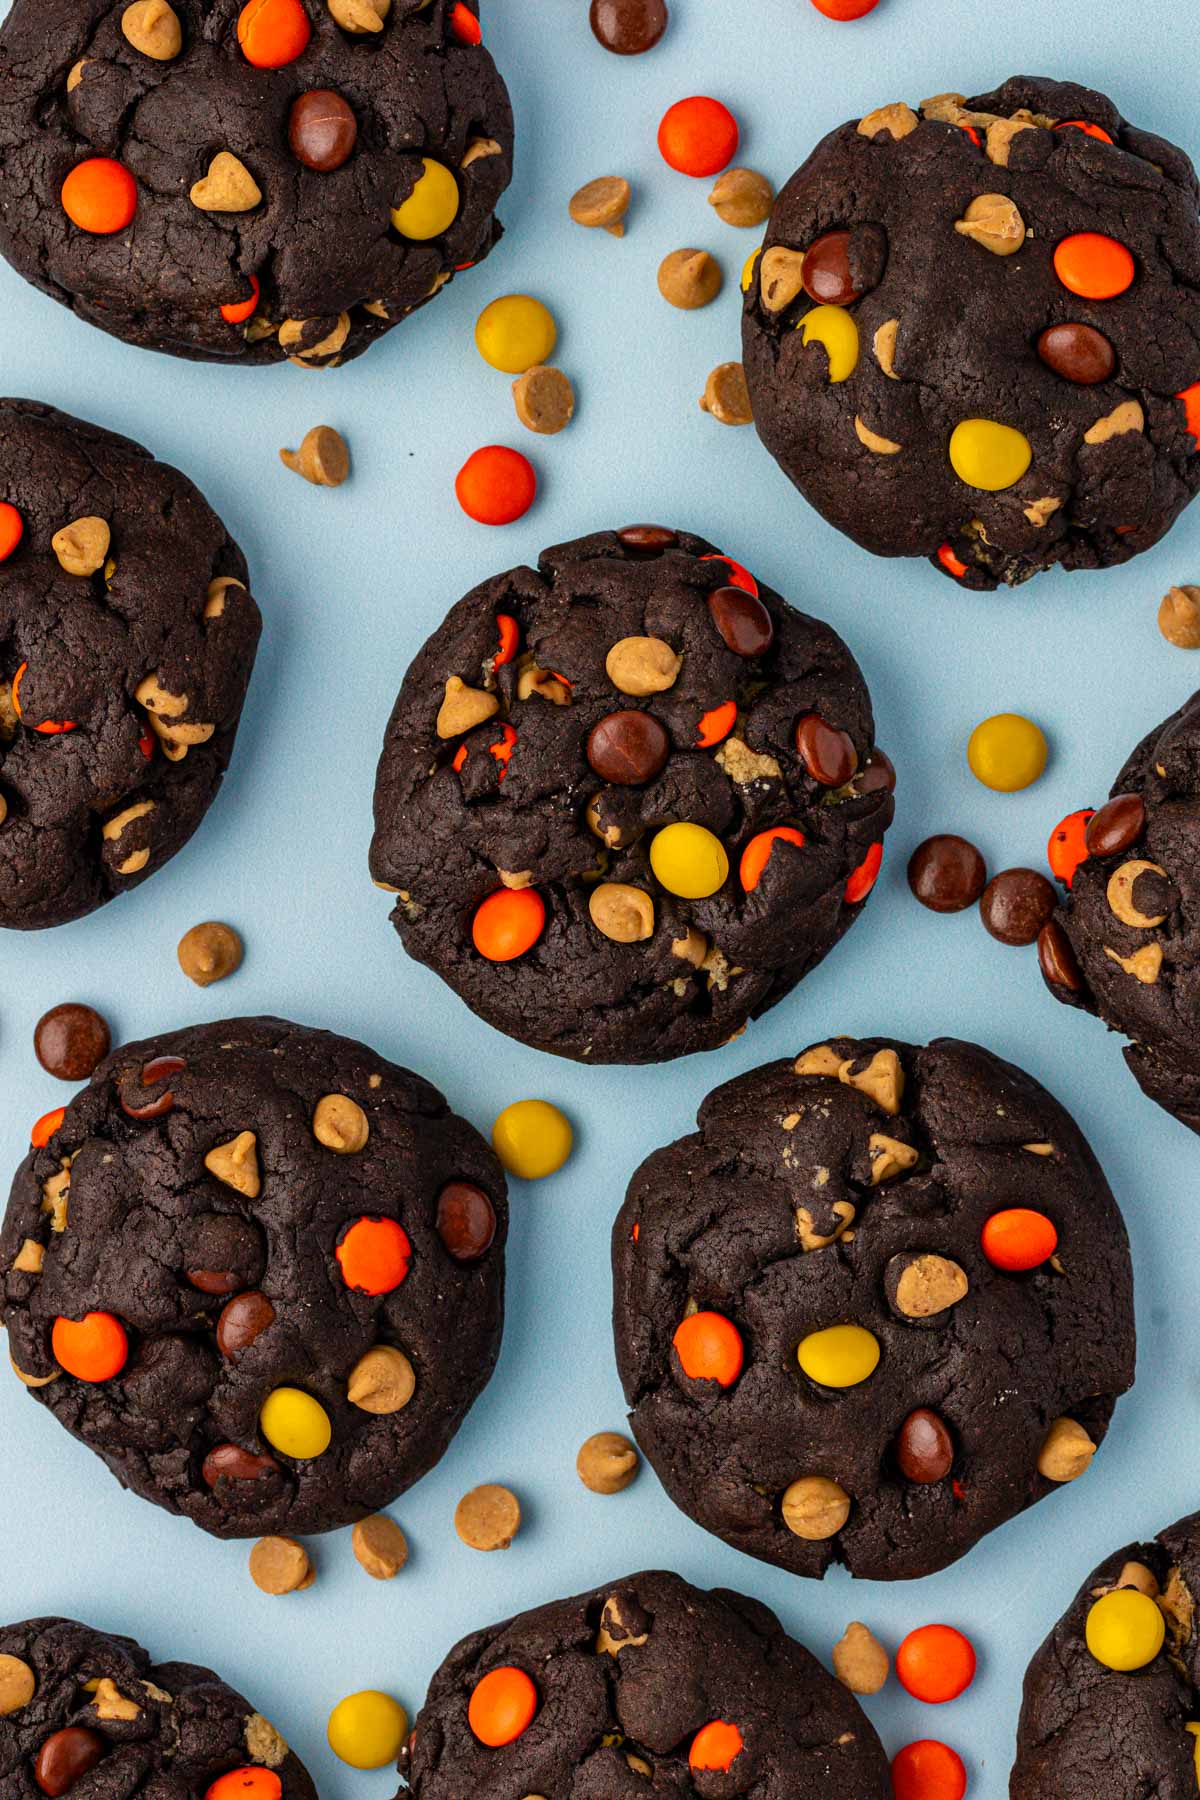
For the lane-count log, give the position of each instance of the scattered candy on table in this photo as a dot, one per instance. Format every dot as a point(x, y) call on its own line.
point(1016, 904)
point(496, 485)
point(532, 1138)
point(698, 136)
point(602, 204)
point(742, 197)
point(946, 873)
point(1007, 752)
point(544, 399)
point(209, 952)
point(70, 1041)
point(323, 457)
point(607, 1463)
point(628, 27)
point(860, 1661)
point(935, 1663)
point(488, 1518)
point(845, 9)
point(689, 279)
point(515, 332)
point(928, 1770)
point(367, 1729)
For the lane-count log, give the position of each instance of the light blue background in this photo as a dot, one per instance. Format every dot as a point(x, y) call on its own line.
point(350, 583)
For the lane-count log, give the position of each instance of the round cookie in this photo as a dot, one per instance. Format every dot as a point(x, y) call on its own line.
point(260, 1271)
point(645, 1685)
point(1126, 936)
point(277, 179)
point(878, 1304)
point(629, 799)
point(74, 1699)
point(1085, 1723)
point(128, 636)
point(971, 334)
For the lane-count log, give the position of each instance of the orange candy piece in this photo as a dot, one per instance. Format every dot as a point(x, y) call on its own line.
point(865, 876)
point(273, 33)
point(94, 1348)
point(250, 1783)
point(716, 725)
point(100, 196)
point(12, 529)
point(739, 576)
point(502, 1706)
point(709, 1348)
point(236, 312)
point(1094, 266)
point(1019, 1239)
point(950, 562)
point(465, 25)
point(496, 485)
point(935, 1663)
point(1068, 845)
point(46, 1127)
point(503, 748)
point(716, 1745)
point(1093, 131)
point(508, 923)
point(928, 1770)
point(698, 136)
point(757, 853)
point(510, 637)
point(375, 1255)
point(1191, 406)
point(845, 9)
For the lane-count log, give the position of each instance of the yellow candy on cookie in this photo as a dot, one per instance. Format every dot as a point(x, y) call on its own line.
point(988, 455)
point(1125, 1630)
point(689, 861)
point(841, 1356)
point(432, 207)
point(295, 1424)
point(834, 327)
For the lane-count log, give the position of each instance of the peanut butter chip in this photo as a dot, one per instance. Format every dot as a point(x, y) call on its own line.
point(1000, 134)
point(603, 203)
point(110, 1703)
point(1038, 512)
point(897, 120)
point(209, 952)
point(607, 1463)
point(1066, 1452)
point(882, 1079)
point(884, 344)
point(1137, 1575)
point(360, 16)
point(544, 399)
point(322, 458)
point(930, 1285)
point(815, 1508)
point(229, 187)
point(623, 1626)
point(33, 1381)
point(542, 682)
point(478, 150)
point(340, 1124)
point(872, 440)
point(1124, 418)
point(216, 597)
point(726, 397)
point(380, 1546)
point(1179, 617)
point(742, 197)
point(1119, 894)
point(29, 1258)
point(1145, 965)
point(860, 1661)
point(279, 1565)
point(76, 74)
point(622, 913)
point(822, 1059)
point(236, 1164)
point(780, 276)
point(313, 356)
point(17, 1685)
point(82, 546)
point(382, 1381)
point(994, 222)
point(806, 1231)
point(463, 708)
point(265, 1744)
point(889, 1157)
point(642, 665)
point(153, 27)
point(488, 1518)
point(691, 948)
point(689, 279)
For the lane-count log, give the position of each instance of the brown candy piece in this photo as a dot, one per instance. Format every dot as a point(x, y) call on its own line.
point(158, 1069)
point(466, 1221)
point(1016, 904)
point(826, 273)
point(1078, 353)
point(877, 775)
point(65, 1757)
point(242, 1321)
point(322, 130)
point(648, 540)
point(924, 1448)
point(628, 27)
point(229, 1462)
point(628, 748)
point(828, 754)
point(744, 624)
point(946, 873)
point(214, 1281)
point(1056, 956)
point(1117, 826)
point(70, 1040)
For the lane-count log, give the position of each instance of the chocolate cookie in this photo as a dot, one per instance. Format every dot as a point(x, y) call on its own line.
point(628, 799)
point(80, 1706)
point(283, 178)
point(260, 1271)
point(127, 637)
point(644, 1686)
point(1111, 1703)
point(971, 334)
point(878, 1304)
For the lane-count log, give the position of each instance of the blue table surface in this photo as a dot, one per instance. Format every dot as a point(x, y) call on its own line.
point(350, 583)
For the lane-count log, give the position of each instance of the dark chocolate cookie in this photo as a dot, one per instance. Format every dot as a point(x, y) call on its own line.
point(127, 637)
point(880, 1302)
point(644, 1686)
point(260, 1271)
point(280, 178)
point(972, 332)
point(628, 799)
point(1111, 1703)
point(85, 1711)
point(1126, 938)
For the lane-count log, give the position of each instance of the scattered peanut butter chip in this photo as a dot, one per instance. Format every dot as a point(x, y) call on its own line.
point(624, 1625)
point(17, 1685)
point(209, 952)
point(265, 1744)
point(815, 1508)
point(229, 187)
point(1179, 617)
point(82, 546)
point(1120, 891)
point(780, 276)
point(872, 440)
point(382, 1381)
point(994, 222)
point(1145, 965)
point(322, 458)
point(322, 353)
point(689, 279)
point(607, 1463)
point(544, 399)
point(726, 396)
point(898, 120)
point(110, 1703)
point(279, 1565)
point(1128, 416)
point(340, 1124)
point(360, 16)
point(380, 1546)
point(488, 1518)
point(806, 1230)
point(463, 708)
point(603, 202)
point(1066, 1452)
point(1038, 512)
point(236, 1164)
point(742, 197)
point(153, 27)
point(860, 1661)
point(1137, 1575)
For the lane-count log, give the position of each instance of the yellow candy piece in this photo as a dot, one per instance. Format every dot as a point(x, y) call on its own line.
point(989, 456)
point(295, 1424)
point(514, 333)
point(834, 327)
point(1125, 1630)
point(1195, 1731)
point(689, 861)
point(1007, 752)
point(532, 1139)
point(368, 1729)
point(840, 1357)
point(748, 270)
point(431, 207)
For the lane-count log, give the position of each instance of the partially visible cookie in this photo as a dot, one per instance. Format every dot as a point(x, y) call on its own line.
point(644, 1686)
point(879, 1303)
point(82, 1710)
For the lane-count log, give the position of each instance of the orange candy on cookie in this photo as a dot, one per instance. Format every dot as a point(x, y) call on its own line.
point(510, 637)
point(236, 312)
point(250, 1783)
point(1094, 266)
point(508, 923)
point(502, 1706)
point(1068, 845)
point(935, 1663)
point(716, 725)
point(496, 485)
point(94, 1348)
point(757, 853)
point(273, 33)
point(928, 1770)
point(865, 876)
point(1092, 131)
point(100, 196)
point(739, 576)
point(12, 529)
point(465, 25)
point(375, 1256)
point(1191, 406)
point(716, 1745)
point(46, 1127)
point(698, 136)
point(1019, 1239)
point(709, 1348)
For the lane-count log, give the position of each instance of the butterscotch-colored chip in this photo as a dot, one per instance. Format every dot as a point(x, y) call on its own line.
point(897, 119)
point(622, 913)
point(882, 1079)
point(742, 197)
point(1179, 617)
point(340, 1124)
point(229, 187)
point(780, 276)
point(236, 1164)
point(607, 1463)
point(642, 665)
point(152, 26)
point(726, 397)
point(323, 457)
point(18, 1684)
point(1066, 1452)
point(994, 222)
point(488, 1518)
point(689, 279)
point(110, 1703)
point(815, 1508)
point(602, 203)
point(930, 1285)
point(380, 1546)
point(209, 952)
point(82, 546)
point(544, 399)
point(463, 708)
point(382, 1381)
point(279, 1565)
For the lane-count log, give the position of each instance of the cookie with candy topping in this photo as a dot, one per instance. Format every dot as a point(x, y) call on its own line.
point(127, 637)
point(83, 1706)
point(629, 798)
point(878, 1304)
point(1112, 1698)
point(281, 179)
point(1125, 938)
point(646, 1685)
point(260, 1271)
point(971, 333)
